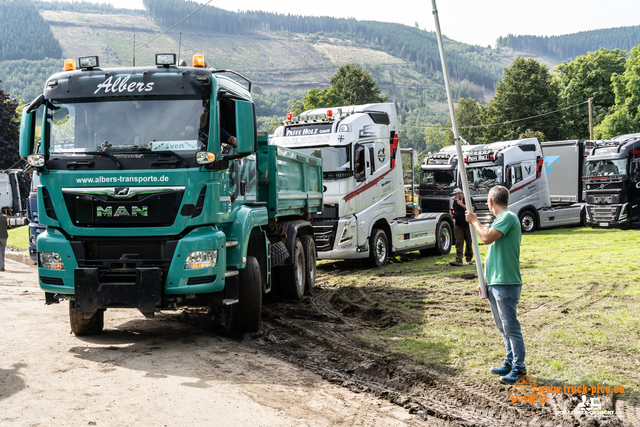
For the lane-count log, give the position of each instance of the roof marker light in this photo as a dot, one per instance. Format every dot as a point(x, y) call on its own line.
point(69, 65)
point(198, 61)
point(289, 117)
point(329, 114)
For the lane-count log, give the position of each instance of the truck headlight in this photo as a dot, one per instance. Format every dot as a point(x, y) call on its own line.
point(347, 233)
point(201, 259)
point(51, 260)
point(623, 213)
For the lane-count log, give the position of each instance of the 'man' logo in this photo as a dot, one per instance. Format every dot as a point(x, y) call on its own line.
point(121, 211)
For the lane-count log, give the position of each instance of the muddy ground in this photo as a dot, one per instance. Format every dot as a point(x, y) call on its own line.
point(306, 367)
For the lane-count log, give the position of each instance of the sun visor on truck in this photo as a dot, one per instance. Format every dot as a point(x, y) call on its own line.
point(127, 82)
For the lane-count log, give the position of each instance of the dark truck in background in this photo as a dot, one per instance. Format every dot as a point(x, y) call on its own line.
point(612, 182)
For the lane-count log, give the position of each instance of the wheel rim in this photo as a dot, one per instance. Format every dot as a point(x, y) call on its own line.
point(381, 249)
point(445, 238)
point(527, 222)
point(299, 270)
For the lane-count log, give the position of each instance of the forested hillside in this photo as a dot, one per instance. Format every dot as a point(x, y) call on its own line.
point(466, 62)
point(24, 34)
point(567, 47)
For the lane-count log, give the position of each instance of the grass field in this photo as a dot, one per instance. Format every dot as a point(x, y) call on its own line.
point(579, 309)
point(19, 238)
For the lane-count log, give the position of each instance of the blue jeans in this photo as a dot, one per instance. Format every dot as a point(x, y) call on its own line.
point(504, 301)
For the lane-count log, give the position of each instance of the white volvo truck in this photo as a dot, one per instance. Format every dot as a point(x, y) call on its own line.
point(364, 215)
point(544, 194)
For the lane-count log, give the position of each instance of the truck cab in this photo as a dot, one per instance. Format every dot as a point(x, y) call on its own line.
point(365, 210)
point(438, 178)
point(611, 182)
point(517, 165)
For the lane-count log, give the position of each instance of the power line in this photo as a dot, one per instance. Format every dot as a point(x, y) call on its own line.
point(497, 124)
point(167, 30)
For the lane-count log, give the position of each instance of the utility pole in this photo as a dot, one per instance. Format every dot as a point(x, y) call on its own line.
point(591, 118)
point(456, 138)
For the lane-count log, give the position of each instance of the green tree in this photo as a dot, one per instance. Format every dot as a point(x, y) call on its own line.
point(356, 85)
point(588, 76)
point(322, 98)
point(526, 90)
point(9, 131)
point(625, 115)
point(435, 137)
point(532, 134)
point(468, 113)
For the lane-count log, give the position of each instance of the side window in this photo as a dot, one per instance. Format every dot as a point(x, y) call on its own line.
point(359, 169)
point(227, 121)
point(518, 173)
point(373, 159)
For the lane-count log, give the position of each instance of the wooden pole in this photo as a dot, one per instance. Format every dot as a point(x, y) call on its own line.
point(591, 119)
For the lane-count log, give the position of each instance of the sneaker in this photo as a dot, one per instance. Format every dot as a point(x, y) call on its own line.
point(456, 263)
point(513, 377)
point(502, 370)
point(1, 269)
point(469, 262)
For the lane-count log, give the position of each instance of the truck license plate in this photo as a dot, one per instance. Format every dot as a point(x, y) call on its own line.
point(603, 224)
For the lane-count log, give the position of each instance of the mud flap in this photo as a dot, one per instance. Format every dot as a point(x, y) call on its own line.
point(145, 294)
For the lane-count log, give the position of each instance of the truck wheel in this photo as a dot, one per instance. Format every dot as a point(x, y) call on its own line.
point(292, 277)
point(378, 248)
point(244, 316)
point(444, 241)
point(309, 247)
point(82, 326)
point(528, 221)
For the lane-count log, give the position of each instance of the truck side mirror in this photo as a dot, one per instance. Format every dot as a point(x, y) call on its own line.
point(246, 135)
point(28, 132)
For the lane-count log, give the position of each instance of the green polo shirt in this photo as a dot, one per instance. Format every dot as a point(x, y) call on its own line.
point(503, 257)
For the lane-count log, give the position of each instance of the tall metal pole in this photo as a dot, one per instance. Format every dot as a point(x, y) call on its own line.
point(456, 138)
point(591, 119)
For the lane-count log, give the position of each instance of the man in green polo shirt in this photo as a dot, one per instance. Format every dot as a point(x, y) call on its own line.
point(502, 272)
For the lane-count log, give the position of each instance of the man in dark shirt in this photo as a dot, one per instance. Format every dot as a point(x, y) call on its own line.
point(462, 231)
point(4, 235)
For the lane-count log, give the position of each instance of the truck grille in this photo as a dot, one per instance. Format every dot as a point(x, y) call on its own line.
point(434, 204)
point(484, 215)
point(325, 234)
point(117, 260)
point(603, 213)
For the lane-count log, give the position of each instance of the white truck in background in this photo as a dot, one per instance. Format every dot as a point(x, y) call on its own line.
point(365, 212)
point(14, 193)
point(544, 192)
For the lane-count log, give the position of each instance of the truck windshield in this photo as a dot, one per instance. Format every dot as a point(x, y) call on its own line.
point(128, 124)
point(437, 179)
point(334, 159)
point(488, 175)
point(605, 168)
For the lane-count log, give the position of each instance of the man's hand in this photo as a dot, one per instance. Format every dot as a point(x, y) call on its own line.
point(479, 290)
point(470, 217)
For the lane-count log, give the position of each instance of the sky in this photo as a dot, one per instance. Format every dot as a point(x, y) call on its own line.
point(478, 22)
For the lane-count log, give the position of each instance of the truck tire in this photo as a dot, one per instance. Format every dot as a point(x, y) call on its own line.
point(378, 248)
point(444, 241)
point(528, 221)
point(81, 326)
point(292, 277)
point(310, 256)
point(244, 316)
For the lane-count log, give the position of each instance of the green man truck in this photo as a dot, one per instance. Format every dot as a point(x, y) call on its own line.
point(157, 191)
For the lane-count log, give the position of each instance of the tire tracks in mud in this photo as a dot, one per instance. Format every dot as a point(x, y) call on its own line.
point(316, 336)
point(322, 336)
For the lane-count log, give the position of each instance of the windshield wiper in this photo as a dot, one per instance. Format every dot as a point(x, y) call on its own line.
point(94, 153)
point(174, 154)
